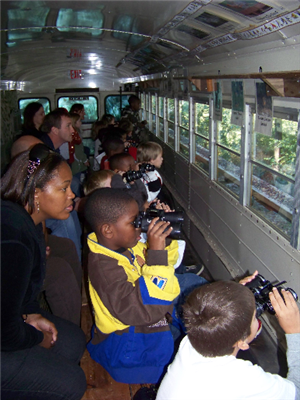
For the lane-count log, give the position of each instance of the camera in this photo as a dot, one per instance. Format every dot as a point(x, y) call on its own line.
point(261, 288)
point(176, 219)
point(131, 176)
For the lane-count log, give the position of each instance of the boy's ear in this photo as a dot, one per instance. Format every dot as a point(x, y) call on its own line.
point(242, 345)
point(107, 231)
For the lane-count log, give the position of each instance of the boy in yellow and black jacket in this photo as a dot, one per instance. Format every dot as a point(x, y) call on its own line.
point(132, 287)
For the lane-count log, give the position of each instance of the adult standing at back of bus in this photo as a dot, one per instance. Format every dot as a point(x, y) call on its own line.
point(34, 115)
point(57, 129)
point(81, 162)
point(39, 352)
point(78, 108)
point(131, 112)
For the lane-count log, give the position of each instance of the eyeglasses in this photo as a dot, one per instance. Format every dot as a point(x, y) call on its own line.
point(37, 154)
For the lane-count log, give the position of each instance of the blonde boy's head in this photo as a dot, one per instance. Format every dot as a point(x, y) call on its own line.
point(148, 151)
point(97, 180)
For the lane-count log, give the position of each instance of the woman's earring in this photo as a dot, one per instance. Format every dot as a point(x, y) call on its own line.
point(38, 206)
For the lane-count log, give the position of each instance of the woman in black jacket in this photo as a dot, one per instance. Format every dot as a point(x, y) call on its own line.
point(39, 352)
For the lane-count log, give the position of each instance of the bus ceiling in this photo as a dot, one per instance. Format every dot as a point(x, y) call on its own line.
point(104, 44)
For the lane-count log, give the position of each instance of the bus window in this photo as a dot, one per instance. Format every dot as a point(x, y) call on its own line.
point(90, 106)
point(153, 113)
point(80, 18)
point(273, 174)
point(228, 152)
point(161, 117)
point(112, 105)
point(202, 136)
point(43, 100)
point(171, 123)
point(184, 125)
point(142, 109)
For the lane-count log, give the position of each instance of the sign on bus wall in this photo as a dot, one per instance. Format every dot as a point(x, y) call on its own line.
point(76, 74)
point(264, 110)
point(237, 96)
point(74, 53)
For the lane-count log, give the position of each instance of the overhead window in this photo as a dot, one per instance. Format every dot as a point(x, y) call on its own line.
point(127, 23)
point(85, 21)
point(31, 15)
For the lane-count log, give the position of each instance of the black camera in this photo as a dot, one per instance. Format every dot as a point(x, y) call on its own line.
point(131, 176)
point(176, 219)
point(261, 288)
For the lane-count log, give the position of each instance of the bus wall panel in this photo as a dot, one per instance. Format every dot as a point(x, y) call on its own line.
point(210, 259)
point(182, 180)
point(253, 244)
point(241, 240)
point(168, 166)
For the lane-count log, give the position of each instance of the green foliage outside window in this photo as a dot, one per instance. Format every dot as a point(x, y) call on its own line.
point(153, 105)
point(171, 110)
point(278, 151)
point(202, 119)
point(184, 114)
point(229, 135)
point(112, 105)
point(161, 106)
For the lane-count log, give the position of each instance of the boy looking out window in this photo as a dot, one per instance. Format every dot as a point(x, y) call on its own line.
point(132, 287)
point(221, 320)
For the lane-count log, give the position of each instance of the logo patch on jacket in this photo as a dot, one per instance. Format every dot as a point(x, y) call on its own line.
point(159, 282)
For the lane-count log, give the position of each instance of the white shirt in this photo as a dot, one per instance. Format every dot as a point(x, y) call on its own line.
point(194, 377)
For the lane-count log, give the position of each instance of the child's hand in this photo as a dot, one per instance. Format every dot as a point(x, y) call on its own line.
point(163, 206)
point(287, 311)
point(248, 278)
point(157, 233)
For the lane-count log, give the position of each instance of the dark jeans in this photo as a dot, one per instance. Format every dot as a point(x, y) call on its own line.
point(187, 283)
point(62, 283)
point(67, 228)
point(46, 374)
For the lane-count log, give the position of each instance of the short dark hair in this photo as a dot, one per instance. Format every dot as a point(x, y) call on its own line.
point(139, 196)
point(117, 161)
point(110, 132)
point(106, 205)
point(53, 119)
point(218, 315)
point(29, 112)
point(112, 144)
point(133, 98)
point(76, 108)
point(15, 184)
